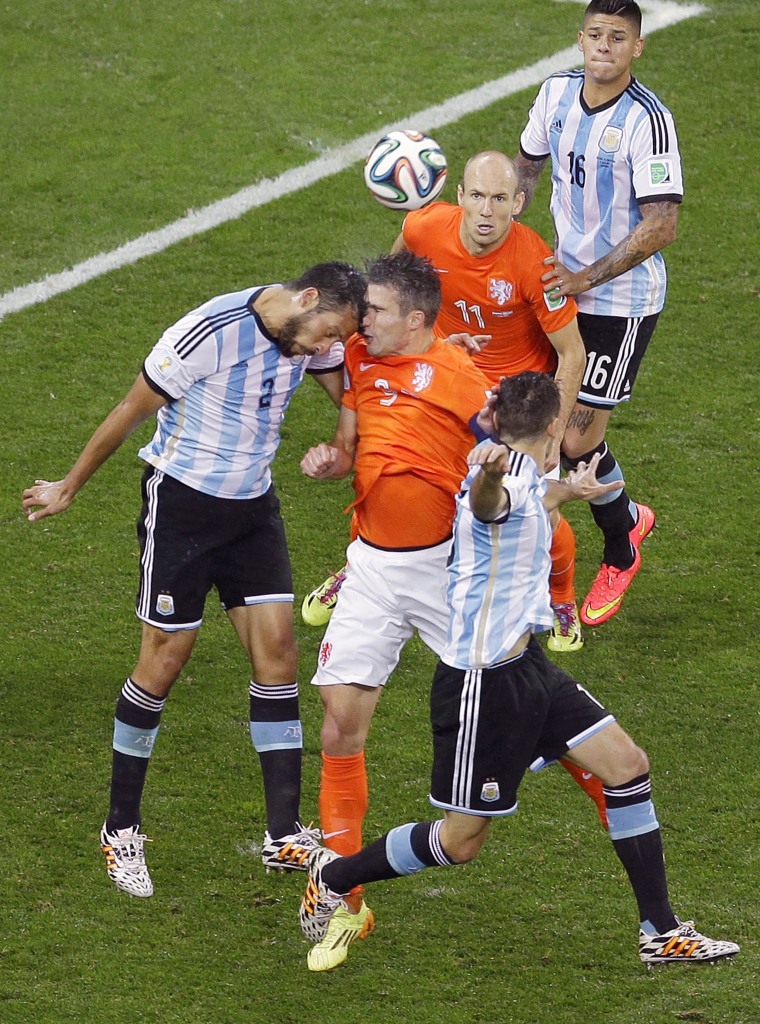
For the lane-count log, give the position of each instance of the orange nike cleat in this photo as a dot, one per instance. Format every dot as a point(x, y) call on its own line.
point(645, 523)
point(607, 592)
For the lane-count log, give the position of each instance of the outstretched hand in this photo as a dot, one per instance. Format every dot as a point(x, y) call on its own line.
point(47, 498)
point(584, 484)
point(472, 343)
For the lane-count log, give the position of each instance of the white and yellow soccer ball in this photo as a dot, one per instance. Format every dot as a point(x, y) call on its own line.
point(405, 170)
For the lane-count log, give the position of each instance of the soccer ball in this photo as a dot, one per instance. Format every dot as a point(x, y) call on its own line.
point(405, 170)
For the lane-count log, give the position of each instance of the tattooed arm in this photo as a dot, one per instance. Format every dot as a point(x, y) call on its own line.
point(528, 171)
point(654, 232)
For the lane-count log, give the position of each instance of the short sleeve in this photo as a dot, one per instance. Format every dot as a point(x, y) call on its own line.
point(534, 141)
point(655, 159)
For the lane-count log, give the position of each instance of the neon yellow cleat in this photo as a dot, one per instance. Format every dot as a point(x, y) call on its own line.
point(343, 929)
point(318, 605)
point(566, 635)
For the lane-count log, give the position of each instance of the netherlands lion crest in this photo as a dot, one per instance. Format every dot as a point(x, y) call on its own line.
point(500, 291)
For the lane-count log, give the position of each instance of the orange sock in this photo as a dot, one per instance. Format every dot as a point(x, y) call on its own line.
point(591, 786)
point(562, 578)
point(343, 801)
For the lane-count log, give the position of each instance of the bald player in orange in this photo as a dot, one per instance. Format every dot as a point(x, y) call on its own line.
point(490, 269)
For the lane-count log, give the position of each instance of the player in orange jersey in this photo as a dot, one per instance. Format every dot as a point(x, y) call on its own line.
point(405, 428)
point(490, 269)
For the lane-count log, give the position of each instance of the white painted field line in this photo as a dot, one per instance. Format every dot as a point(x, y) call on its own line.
point(658, 13)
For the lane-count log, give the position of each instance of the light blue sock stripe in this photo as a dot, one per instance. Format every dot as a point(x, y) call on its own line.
point(128, 739)
point(398, 850)
point(626, 822)
point(616, 473)
point(276, 735)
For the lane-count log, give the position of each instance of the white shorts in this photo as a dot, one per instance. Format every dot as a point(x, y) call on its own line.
point(385, 597)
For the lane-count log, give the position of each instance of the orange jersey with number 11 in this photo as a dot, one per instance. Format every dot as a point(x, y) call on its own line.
point(500, 294)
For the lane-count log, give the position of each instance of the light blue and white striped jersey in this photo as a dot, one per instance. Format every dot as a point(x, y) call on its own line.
point(499, 571)
point(228, 387)
point(605, 161)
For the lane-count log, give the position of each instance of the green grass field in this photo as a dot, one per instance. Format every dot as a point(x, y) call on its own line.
point(118, 119)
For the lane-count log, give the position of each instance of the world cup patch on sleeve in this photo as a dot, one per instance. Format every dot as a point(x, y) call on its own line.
point(554, 302)
point(660, 172)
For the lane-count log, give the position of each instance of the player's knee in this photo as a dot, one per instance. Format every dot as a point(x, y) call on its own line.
point(574, 452)
point(464, 850)
point(277, 657)
point(463, 846)
point(159, 665)
point(631, 762)
point(342, 736)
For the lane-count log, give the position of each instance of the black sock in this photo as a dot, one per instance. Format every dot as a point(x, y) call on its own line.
point(402, 851)
point(635, 834)
point(277, 737)
point(612, 512)
point(136, 724)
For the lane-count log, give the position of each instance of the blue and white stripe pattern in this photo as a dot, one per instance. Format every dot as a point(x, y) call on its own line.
point(604, 163)
point(401, 855)
point(499, 572)
point(131, 739)
point(630, 811)
point(230, 387)
point(276, 735)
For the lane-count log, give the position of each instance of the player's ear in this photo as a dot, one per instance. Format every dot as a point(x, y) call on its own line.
point(460, 194)
point(638, 48)
point(416, 319)
point(518, 204)
point(580, 41)
point(308, 299)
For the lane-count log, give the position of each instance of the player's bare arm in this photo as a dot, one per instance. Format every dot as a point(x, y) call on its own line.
point(333, 384)
point(528, 171)
point(50, 498)
point(580, 484)
point(488, 498)
point(657, 230)
point(399, 245)
point(335, 460)
point(571, 364)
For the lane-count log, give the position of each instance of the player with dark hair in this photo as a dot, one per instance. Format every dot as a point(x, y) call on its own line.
point(412, 283)
point(405, 427)
point(219, 382)
point(616, 188)
point(499, 706)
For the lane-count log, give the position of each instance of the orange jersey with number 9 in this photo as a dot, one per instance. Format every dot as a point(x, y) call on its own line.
point(413, 414)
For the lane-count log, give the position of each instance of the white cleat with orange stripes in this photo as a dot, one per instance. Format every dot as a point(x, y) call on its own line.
point(683, 945)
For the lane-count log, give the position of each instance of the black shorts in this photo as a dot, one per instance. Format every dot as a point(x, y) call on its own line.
point(490, 725)
point(191, 542)
point(615, 346)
